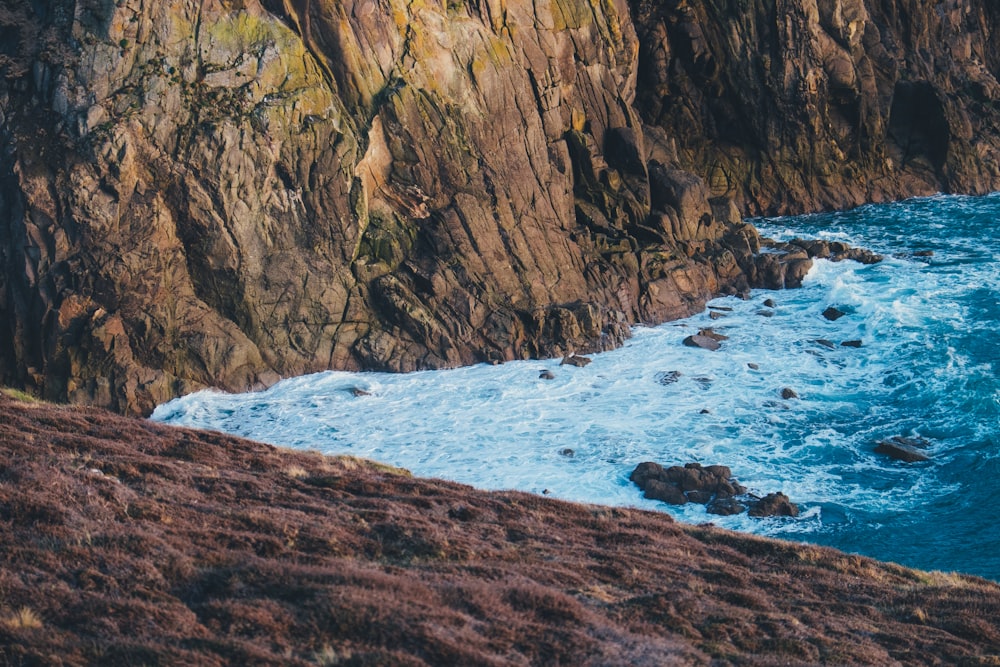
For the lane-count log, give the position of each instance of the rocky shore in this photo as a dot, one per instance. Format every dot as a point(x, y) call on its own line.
point(224, 193)
point(127, 542)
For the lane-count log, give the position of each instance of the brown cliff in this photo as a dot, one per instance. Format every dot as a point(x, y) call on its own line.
point(791, 106)
point(221, 193)
point(127, 542)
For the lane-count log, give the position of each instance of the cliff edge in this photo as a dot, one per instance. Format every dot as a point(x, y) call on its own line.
point(225, 192)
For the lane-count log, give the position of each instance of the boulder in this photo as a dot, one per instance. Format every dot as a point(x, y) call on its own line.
point(575, 360)
point(704, 342)
point(773, 504)
point(546, 375)
point(901, 448)
point(678, 485)
point(851, 343)
point(833, 314)
point(788, 393)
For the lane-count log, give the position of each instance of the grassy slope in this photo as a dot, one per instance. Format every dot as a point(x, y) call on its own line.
point(126, 542)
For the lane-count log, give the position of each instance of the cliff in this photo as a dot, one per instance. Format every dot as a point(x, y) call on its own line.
point(224, 192)
point(127, 542)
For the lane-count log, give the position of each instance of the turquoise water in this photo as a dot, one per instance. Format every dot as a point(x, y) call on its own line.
point(927, 367)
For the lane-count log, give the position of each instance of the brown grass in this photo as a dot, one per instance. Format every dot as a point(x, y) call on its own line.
point(142, 544)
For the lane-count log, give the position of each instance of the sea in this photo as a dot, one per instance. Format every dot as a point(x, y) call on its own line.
point(928, 318)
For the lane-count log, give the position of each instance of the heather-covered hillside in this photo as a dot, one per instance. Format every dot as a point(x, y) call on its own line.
point(126, 542)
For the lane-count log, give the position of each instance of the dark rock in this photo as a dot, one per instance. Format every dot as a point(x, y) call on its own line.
point(715, 315)
point(668, 377)
point(575, 360)
point(903, 449)
point(704, 411)
point(788, 393)
point(833, 314)
point(923, 253)
point(358, 391)
point(703, 342)
point(725, 507)
point(566, 451)
point(770, 303)
point(851, 343)
point(708, 333)
point(825, 343)
point(766, 313)
point(724, 309)
point(689, 483)
point(773, 504)
point(546, 375)
point(752, 366)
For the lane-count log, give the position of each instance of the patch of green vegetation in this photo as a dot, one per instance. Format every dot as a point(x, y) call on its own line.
point(19, 395)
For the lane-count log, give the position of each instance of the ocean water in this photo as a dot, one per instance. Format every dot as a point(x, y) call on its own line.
point(928, 367)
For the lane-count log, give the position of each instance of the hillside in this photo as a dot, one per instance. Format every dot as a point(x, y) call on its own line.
point(126, 542)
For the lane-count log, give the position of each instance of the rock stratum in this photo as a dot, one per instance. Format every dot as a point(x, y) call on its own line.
point(128, 542)
point(220, 193)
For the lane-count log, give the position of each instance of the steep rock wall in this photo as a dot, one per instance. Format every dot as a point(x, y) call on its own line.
point(797, 105)
point(219, 193)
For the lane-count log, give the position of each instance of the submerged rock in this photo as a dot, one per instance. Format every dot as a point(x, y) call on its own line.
point(788, 393)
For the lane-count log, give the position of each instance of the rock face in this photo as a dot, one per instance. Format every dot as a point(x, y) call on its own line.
point(790, 106)
point(223, 193)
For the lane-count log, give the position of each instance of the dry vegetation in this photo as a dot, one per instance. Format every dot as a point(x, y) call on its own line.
point(126, 542)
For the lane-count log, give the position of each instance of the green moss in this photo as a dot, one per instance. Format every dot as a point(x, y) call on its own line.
point(19, 395)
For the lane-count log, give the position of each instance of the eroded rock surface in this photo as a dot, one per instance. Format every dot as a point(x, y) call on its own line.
point(792, 106)
point(223, 193)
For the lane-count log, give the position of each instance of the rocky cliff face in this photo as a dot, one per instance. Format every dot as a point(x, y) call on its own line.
point(222, 192)
point(791, 106)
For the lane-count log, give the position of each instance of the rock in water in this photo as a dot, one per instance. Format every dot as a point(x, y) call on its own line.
point(575, 360)
point(833, 314)
point(774, 504)
point(546, 375)
point(704, 342)
point(908, 450)
point(788, 393)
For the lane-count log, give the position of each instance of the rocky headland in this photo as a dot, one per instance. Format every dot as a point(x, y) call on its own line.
point(127, 542)
point(226, 192)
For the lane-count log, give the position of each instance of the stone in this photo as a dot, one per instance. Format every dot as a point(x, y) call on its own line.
point(704, 342)
point(774, 504)
point(833, 314)
point(825, 343)
point(752, 366)
point(546, 375)
point(567, 452)
point(908, 450)
point(788, 393)
point(851, 343)
point(358, 391)
point(770, 303)
point(708, 333)
point(575, 360)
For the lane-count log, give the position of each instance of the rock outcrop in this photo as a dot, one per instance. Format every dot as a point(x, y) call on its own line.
point(815, 104)
point(222, 193)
